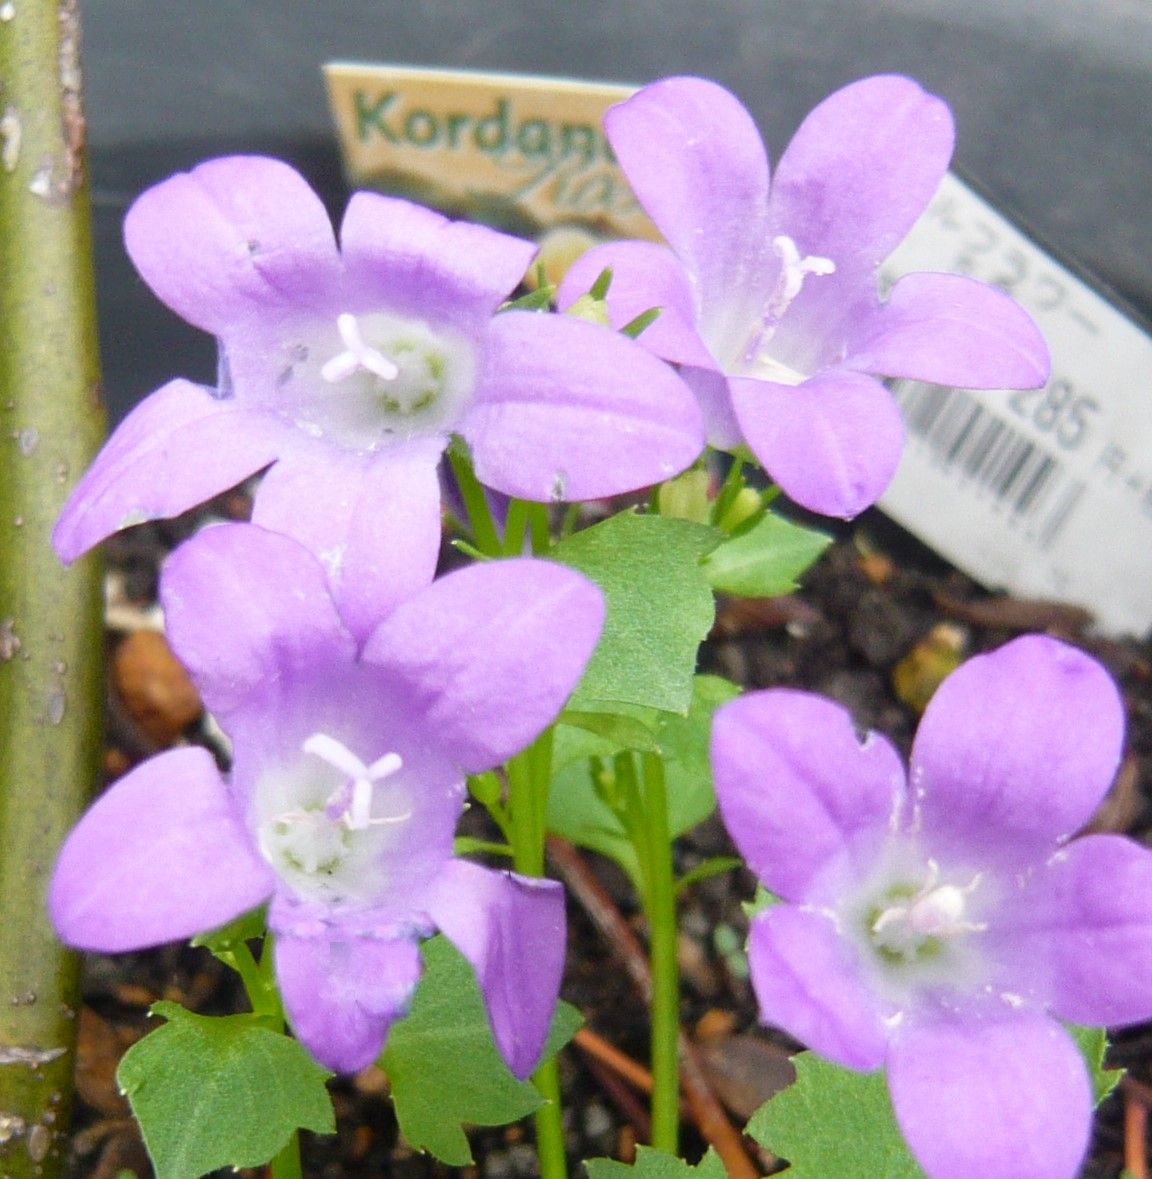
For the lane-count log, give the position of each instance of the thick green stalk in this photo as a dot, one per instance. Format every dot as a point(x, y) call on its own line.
point(50, 638)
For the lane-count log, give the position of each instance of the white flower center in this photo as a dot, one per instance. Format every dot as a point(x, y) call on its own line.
point(917, 925)
point(324, 847)
point(758, 360)
point(373, 376)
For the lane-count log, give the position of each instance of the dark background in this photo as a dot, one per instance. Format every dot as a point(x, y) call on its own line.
point(1053, 102)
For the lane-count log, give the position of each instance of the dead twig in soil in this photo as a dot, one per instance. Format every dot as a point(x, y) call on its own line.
point(599, 1049)
point(615, 1083)
point(1137, 1099)
point(707, 1113)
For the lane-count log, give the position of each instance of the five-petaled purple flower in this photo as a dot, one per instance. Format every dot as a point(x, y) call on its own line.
point(936, 926)
point(346, 787)
point(348, 369)
point(768, 293)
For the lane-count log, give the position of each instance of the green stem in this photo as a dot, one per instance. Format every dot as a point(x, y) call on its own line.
point(259, 983)
point(539, 528)
point(515, 526)
point(51, 683)
point(660, 904)
point(264, 998)
point(729, 489)
point(529, 775)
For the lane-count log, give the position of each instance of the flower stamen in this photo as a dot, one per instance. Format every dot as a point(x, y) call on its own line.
point(357, 356)
point(793, 271)
point(916, 924)
point(351, 803)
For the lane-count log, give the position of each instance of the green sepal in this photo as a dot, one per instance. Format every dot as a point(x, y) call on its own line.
point(220, 1091)
point(636, 327)
point(443, 1067)
point(657, 1164)
point(659, 608)
point(764, 559)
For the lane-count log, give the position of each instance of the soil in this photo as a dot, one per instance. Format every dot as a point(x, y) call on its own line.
point(876, 623)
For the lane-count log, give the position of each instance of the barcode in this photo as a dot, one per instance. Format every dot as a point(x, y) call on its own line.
point(979, 447)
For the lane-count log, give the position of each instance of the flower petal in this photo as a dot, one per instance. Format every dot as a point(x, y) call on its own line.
point(1081, 935)
point(644, 276)
point(860, 170)
point(797, 788)
point(568, 410)
point(489, 654)
point(419, 263)
point(694, 158)
point(239, 644)
point(951, 330)
point(1002, 1098)
point(342, 992)
point(809, 984)
point(162, 855)
point(372, 520)
point(232, 241)
point(714, 396)
point(1015, 751)
point(832, 443)
point(177, 448)
point(511, 929)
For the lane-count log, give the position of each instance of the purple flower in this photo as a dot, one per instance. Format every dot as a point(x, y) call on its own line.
point(346, 787)
point(768, 293)
point(347, 370)
point(936, 926)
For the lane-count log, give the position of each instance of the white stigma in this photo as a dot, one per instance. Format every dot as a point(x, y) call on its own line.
point(357, 355)
point(793, 271)
point(352, 802)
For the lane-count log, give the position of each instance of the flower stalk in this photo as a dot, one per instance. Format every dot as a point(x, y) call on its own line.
point(50, 676)
point(660, 905)
point(529, 775)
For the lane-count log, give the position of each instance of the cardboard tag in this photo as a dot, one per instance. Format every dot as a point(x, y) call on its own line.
point(1044, 493)
point(526, 153)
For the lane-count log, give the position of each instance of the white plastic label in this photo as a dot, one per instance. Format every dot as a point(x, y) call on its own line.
point(1046, 492)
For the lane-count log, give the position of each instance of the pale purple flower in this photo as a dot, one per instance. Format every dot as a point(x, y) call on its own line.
point(347, 369)
point(768, 291)
point(347, 783)
point(939, 926)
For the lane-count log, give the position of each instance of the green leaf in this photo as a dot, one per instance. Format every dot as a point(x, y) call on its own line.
point(656, 1164)
point(245, 928)
point(221, 1091)
point(833, 1121)
point(660, 608)
point(1093, 1043)
point(618, 730)
point(765, 560)
point(444, 1069)
point(577, 812)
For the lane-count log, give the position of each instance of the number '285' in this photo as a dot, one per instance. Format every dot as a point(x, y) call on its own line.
point(1057, 409)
